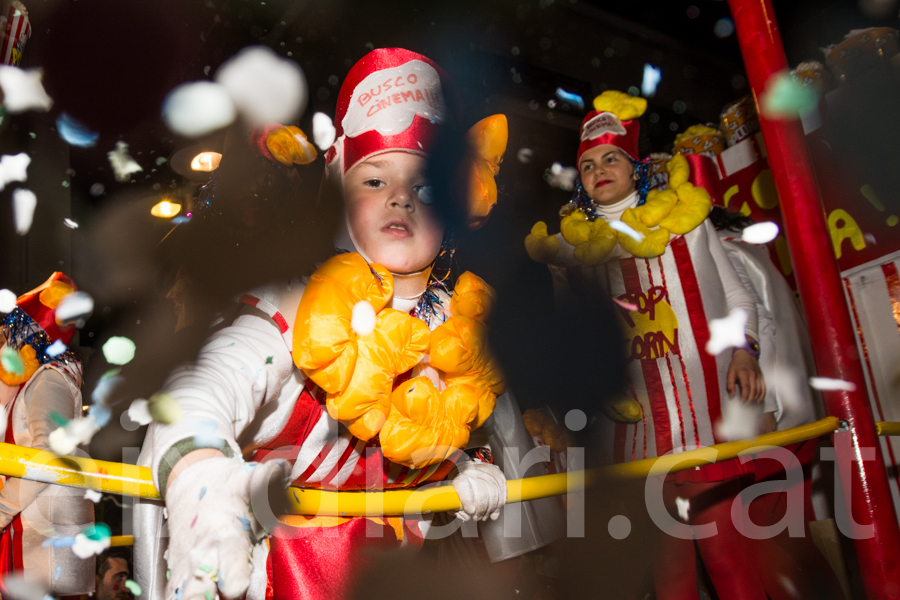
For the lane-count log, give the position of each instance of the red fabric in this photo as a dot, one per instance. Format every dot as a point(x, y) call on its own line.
point(705, 174)
point(325, 561)
point(307, 412)
point(11, 540)
point(417, 138)
point(627, 142)
point(30, 303)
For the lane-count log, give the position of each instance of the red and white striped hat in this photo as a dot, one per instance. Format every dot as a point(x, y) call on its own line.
point(391, 100)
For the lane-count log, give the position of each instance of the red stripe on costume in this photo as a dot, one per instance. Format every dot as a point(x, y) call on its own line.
point(266, 308)
point(865, 349)
point(678, 401)
point(700, 328)
point(306, 413)
point(348, 451)
point(656, 395)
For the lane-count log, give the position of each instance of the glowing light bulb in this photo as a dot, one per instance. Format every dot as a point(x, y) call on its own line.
point(165, 209)
point(206, 161)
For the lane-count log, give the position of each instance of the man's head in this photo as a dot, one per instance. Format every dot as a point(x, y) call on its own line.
point(112, 573)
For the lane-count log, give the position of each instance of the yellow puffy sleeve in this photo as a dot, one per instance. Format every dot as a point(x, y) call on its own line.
point(593, 240)
point(541, 247)
point(488, 139)
point(654, 241)
point(324, 344)
point(426, 426)
point(472, 297)
point(694, 203)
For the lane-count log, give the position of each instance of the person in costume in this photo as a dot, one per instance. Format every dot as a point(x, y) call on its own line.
point(369, 374)
point(40, 378)
point(659, 258)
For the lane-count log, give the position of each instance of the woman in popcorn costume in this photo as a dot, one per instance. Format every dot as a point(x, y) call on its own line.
point(369, 374)
point(40, 384)
point(659, 257)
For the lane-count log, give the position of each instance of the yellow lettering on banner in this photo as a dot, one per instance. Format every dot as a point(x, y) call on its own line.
point(652, 329)
point(763, 190)
point(729, 193)
point(843, 226)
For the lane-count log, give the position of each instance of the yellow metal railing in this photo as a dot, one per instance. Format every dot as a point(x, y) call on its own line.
point(888, 428)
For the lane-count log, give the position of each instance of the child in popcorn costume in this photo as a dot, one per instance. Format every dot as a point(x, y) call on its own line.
point(368, 375)
point(659, 257)
point(41, 378)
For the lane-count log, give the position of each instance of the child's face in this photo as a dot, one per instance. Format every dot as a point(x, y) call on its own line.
point(390, 223)
point(606, 174)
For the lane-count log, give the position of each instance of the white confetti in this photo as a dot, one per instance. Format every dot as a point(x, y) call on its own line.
point(525, 155)
point(70, 223)
point(363, 318)
point(760, 233)
point(24, 203)
point(561, 177)
point(727, 332)
point(122, 163)
point(7, 301)
point(684, 506)
point(118, 350)
point(22, 90)
point(56, 348)
point(652, 75)
point(13, 167)
point(139, 412)
point(74, 308)
point(263, 86)
point(75, 133)
point(197, 108)
point(827, 384)
point(84, 547)
point(23, 588)
point(323, 131)
point(739, 421)
point(627, 230)
point(93, 496)
point(76, 432)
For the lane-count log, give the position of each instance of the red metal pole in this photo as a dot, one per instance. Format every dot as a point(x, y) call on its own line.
point(819, 283)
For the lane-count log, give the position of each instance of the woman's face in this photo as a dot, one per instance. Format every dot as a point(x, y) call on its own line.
point(606, 174)
point(389, 221)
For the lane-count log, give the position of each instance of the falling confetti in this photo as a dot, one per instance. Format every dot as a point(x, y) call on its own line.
point(22, 588)
point(22, 90)
point(739, 421)
point(652, 76)
point(13, 167)
point(206, 435)
point(24, 203)
point(97, 189)
point(75, 308)
point(70, 223)
point(723, 27)
point(139, 412)
point(11, 361)
point(626, 305)
point(561, 177)
point(55, 349)
point(827, 384)
point(263, 86)
point(76, 432)
point(93, 496)
point(118, 350)
point(727, 332)
point(787, 99)
point(7, 301)
point(362, 321)
point(164, 408)
point(133, 587)
point(760, 233)
point(627, 230)
point(198, 108)
point(122, 163)
point(525, 155)
point(75, 133)
point(684, 506)
point(323, 131)
point(92, 541)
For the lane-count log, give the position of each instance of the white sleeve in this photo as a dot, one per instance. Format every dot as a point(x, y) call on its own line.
point(239, 369)
point(736, 295)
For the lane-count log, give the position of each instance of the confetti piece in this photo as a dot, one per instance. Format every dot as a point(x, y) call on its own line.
point(652, 76)
point(118, 350)
point(93, 496)
point(727, 332)
point(760, 233)
point(164, 408)
point(11, 361)
point(362, 320)
point(561, 177)
point(85, 546)
point(70, 223)
point(24, 203)
point(787, 99)
point(194, 522)
point(269, 360)
point(202, 492)
point(139, 412)
point(97, 189)
point(683, 507)
point(58, 419)
point(627, 230)
point(525, 155)
point(263, 86)
point(74, 133)
point(100, 413)
point(133, 587)
point(22, 90)
point(323, 131)
point(197, 108)
point(826, 384)
point(122, 163)
point(75, 308)
point(7, 301)
point(245, 522)
point(161, 160)
point(13, 167)
point(206, 435)
point(21, 588)
point(626, 305)
point(739, 421)
point(58, 572)
point(105, 387)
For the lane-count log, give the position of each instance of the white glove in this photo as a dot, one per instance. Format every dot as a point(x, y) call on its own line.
point(481, 489)
point(212, 529)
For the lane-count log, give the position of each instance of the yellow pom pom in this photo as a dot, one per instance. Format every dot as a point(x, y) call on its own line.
point(472, 297)
point(541, 247)
point(679, 170)
point(575, 228)
point(692, 209)
point(659, 204)
point(623, 410)
point(622, 105)
point(654, 242)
